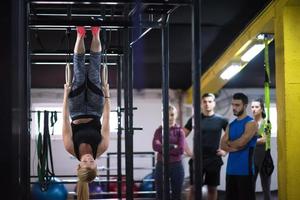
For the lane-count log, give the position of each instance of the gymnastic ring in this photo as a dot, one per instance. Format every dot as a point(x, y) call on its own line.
point(68, 75)
point(104, 74)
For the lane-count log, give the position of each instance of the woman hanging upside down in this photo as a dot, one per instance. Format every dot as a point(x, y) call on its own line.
point(85, 100)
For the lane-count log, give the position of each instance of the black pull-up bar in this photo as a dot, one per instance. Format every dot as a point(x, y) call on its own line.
point(63, 22)
point(114, 2)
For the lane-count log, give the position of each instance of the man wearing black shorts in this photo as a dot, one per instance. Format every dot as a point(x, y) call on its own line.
point(240, 141)
point(212, 126)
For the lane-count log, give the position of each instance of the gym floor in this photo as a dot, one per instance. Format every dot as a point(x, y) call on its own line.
point(259, 195)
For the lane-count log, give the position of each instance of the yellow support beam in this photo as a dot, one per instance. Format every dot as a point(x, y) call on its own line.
point(287, 31)
point(210, 80)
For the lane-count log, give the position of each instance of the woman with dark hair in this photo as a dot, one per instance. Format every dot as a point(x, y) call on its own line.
point(86, 101)
point(258, 110)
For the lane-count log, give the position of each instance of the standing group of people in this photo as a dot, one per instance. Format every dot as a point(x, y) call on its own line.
point(87, 100)
point(243, 139)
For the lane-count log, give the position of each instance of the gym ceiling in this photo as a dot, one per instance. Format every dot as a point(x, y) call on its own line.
point(222, 21)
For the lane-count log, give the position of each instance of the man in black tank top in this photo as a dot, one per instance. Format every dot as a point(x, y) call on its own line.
point(212, 126)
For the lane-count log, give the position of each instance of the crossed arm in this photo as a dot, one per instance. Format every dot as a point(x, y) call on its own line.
point(240, 143)
point(175, 149)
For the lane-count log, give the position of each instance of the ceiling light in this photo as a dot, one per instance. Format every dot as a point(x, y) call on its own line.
point(231, 70)
point(252, 52)
point(261, 36)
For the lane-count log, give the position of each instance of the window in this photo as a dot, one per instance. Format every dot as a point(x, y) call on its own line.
point(273, 119)
point(55, 129)
point(113, 122)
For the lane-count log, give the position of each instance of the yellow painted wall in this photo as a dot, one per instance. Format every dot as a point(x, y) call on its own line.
point(287, 47)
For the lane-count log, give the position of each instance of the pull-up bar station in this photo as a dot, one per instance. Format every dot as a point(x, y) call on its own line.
point(122, 19)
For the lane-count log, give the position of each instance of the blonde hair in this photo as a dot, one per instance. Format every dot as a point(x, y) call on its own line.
point(172, 108)
point(85, 176)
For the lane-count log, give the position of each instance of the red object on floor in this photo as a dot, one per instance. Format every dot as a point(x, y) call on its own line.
point(113, 187)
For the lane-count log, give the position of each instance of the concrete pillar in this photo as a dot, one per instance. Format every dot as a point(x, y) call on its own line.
point(287, 48)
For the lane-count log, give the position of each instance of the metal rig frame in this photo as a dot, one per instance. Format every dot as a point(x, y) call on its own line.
point(125, 18)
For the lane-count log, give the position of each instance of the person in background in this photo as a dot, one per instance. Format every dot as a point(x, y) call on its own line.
point(213, 125)
point(86, 102)
point(259, 114)
point(176, 169)
point(240, 140)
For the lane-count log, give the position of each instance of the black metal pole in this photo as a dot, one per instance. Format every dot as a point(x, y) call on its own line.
point(128, 125)
point(104, 2)
point(129, 152)
point(119, 139)
point(196, 72)
point(165, 101)
point(15, 84)
point(21, 100)
point(52, 23)
point(125, 75)
point(125, 84)
point(26, 144)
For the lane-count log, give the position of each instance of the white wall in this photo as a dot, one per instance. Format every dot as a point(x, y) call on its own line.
point(148, 116)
